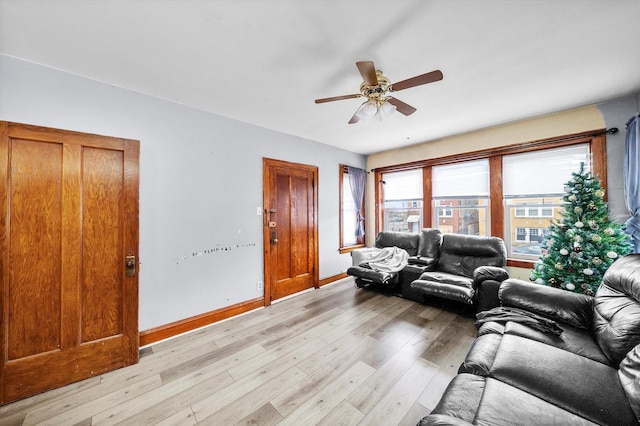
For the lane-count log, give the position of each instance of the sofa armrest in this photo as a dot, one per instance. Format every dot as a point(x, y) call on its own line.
point(484, 273)
point(486, 282)
point(561, 305)
point(422, 261)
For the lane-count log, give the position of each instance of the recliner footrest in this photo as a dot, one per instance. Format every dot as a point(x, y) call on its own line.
point(377, 277)
point(445, 285)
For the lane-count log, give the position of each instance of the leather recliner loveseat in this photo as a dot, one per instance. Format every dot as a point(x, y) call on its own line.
point(553, 357)
point(447, 266)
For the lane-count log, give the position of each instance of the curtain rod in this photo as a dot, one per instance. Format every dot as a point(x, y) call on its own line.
point(499, 150)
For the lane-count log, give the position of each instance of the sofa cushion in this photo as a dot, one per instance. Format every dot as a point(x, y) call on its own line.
point(569, 381)
point(572, 339)
point(462, 254)
point(616, 322)
point(448, 286)
point(404, 240)
point(430, 241)
point(477, 400)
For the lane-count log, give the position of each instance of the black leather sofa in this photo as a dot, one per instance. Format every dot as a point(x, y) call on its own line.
point(461, 268)
point(519, 373)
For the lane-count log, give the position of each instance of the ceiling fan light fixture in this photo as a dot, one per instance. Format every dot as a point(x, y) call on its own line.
point(367, 110)
point(387, 108)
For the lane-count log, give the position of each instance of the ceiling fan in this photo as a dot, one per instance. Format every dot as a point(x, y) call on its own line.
point(376, 88)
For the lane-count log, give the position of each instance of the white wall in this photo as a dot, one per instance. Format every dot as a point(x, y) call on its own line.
point(200, 185)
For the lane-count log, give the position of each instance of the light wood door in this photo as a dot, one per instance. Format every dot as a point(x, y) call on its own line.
point(290, 228)
point(68, 219)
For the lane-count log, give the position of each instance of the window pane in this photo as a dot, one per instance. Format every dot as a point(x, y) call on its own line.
point(461, 197)
point(403, 201)
point(406, 185)
point(542, 172)
point(470, 178)
point(467, 216)
point(524, 234)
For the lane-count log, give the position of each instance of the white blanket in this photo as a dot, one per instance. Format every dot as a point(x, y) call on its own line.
point(387, 259)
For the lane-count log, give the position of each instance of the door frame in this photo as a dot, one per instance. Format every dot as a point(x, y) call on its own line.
point(267, 188)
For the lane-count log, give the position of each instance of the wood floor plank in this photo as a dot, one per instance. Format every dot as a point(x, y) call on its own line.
point(224, 358)
point(344, 414)
point(253, 400)
point(177, 402)
point(306, 341)
point(332, 356)
point(61, 412)
point(181, 418)
point(329, 397)
point(394, 405)
point(266, 415)
point(323, 373)
point(413, 416)
point(365, 397)
point(146, 404)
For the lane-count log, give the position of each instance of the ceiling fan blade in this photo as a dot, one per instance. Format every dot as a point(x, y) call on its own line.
point(401, 107)
point(336, 98)
point(368, 72)
point(418, 80)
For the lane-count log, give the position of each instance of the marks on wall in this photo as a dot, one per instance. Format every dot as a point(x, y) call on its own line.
point(219, 249)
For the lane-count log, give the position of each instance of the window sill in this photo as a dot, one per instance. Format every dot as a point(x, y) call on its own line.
point(350, 248)
point(519, 263)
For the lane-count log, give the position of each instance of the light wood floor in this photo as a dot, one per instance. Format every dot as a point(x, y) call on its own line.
point(333, 356)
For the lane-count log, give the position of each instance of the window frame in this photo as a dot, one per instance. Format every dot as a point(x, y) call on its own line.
point(597, 147)
point(360, 242)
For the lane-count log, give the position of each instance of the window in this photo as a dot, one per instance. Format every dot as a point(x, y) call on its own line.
point(445, 212)
point(402, 192)
point(522, 190)
point(533, 212)
point(533, 189)
point(460, 196)
point(349, 214)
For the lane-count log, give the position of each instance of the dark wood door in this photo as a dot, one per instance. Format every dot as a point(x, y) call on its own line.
point(290, 228)
point(68, 219)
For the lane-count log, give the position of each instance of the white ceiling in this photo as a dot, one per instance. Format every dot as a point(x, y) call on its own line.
point(265, 61)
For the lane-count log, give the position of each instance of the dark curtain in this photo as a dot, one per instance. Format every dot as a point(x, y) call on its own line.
point(357, 181)
point(631, 175)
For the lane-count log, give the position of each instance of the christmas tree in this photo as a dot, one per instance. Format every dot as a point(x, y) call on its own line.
point(580, 247)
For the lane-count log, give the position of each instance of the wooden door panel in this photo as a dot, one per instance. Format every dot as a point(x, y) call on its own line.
point(34, 286)
point(67, 220)
point(301, 231)
point(282, 250)
point(58, 368)
point(102, 243)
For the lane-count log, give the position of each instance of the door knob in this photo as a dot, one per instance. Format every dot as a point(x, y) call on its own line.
point(274, 238)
